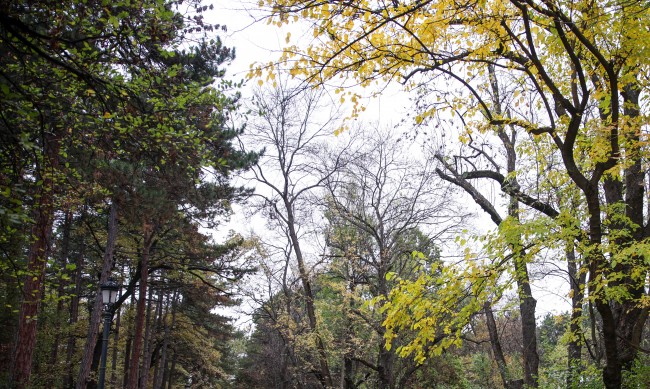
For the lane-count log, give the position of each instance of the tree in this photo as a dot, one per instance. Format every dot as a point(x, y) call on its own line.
point(379, 206)
point(578, 68)
point(287, 175)
point(472, 169)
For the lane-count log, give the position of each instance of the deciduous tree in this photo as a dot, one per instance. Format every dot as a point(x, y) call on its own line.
point(287, 175)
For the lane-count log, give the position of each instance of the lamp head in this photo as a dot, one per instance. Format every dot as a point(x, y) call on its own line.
point(109, 291)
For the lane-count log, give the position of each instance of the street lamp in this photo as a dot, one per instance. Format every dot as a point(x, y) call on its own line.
point(109, 297)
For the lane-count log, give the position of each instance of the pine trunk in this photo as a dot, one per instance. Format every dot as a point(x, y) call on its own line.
point(116, 338)
point(36, 260)
point(128, 350)
point(63, 261)
point(160, 365)
point(134, 373)
point(96, 315)
point(170, 375)
point(146, 357)
point(74, 316)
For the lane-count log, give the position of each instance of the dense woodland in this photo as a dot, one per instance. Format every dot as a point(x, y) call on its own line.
point(410, 256)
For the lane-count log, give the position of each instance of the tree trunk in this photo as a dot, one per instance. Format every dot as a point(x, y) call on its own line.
point(74, 314)
point(168, 373)
point(385, 362)
point(623, 321)
point(347, 375)
point(127, 350)
point(171, 373)
point(526, 309)
point(528, 330)
point(63, 260)
point(526, 301)
point(497, 351)
point(386, 358)
point(36, 260)
point(324, 377)
point(116, 338)
point(95, 319)
point(146, 357)
point(91, 383)
point(612, 372)
point(140, 310)
point(159, 380)
point(574, 345)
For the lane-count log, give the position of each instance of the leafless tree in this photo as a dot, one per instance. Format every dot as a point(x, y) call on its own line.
point(294, 126)
point(382, 206)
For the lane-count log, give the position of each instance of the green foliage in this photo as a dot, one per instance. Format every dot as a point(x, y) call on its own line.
point(639, 375)
point(114, 102)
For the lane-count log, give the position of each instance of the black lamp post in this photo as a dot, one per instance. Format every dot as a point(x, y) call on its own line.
point(109, 297)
